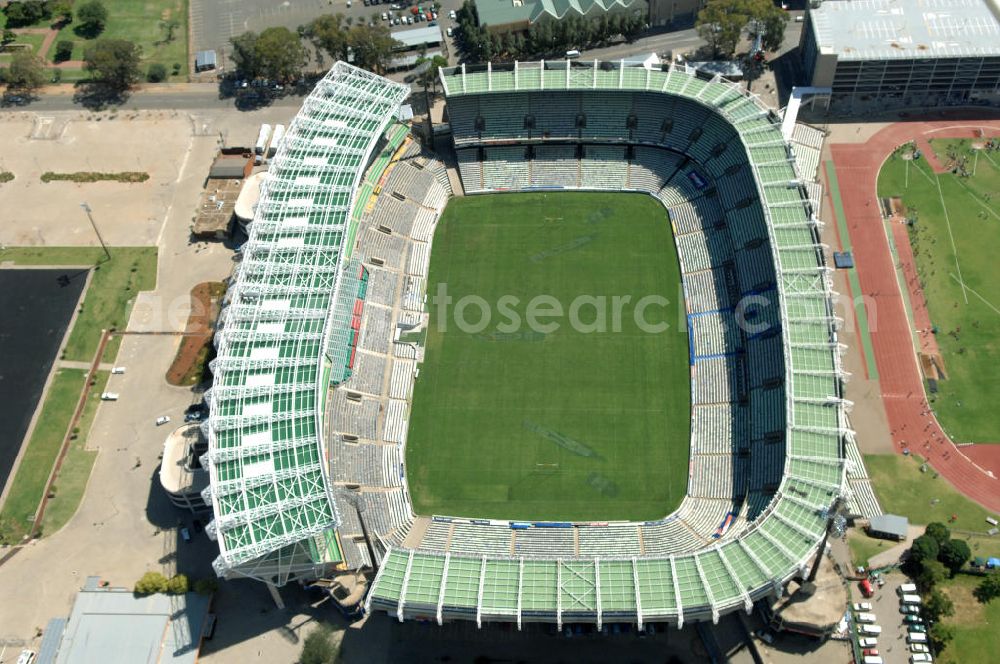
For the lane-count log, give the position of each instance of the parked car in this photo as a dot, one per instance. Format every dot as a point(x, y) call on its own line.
point(196, 408)
point(450, 31)
point(109, 396)
point(909, 608)
point(919, 628)
point(920, 657)
point(913, 620)
point(863, 606)
point(196, 416)
point(869, 630)
point(869, 618)
point(867, 642)
point(118, 370)
point(26, 657)
point(919, 647)
point(870, 652)
point(162, 419)
point(452, 15)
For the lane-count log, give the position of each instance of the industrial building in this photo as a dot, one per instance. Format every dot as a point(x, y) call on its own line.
point(904, 52)
point(520, 15)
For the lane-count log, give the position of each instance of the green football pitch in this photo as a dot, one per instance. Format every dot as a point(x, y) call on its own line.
point(955, 240)
point(525, 414)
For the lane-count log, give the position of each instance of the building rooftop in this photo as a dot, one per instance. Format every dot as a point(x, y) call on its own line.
point(504, 12)
point(890, 523)
point(903, 29)
point(418, 36)
point(112, 626)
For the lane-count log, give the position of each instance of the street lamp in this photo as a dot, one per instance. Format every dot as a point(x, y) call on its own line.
point(90, 216)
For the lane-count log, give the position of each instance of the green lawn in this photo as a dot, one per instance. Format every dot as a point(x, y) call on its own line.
point(975, 624)
point(139, 22)
point(925, 497)
point(864, 547)
point(108, 301)
point(75, 471)
point(523, 422)
point(34, 40)
point(967, 319)
point(43, 447)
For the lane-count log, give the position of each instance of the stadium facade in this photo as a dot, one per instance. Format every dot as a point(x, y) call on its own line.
point(289, 457)
point(904, 52)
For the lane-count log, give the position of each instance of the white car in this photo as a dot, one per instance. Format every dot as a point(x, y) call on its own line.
point(919, 647)
point(863, 606)
point(117, 370)
point(26, 657)
point(869, 630)
point(452, 15)
point(450, 31)
point(109, 396)
point(920, 657)
point(162, 419)
point(868, 642)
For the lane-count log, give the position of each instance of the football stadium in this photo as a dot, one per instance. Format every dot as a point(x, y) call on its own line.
point(533, 475)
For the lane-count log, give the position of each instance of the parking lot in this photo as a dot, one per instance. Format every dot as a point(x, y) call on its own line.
point(892, 646)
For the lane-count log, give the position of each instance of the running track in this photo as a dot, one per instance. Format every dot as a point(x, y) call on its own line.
point(911, 422)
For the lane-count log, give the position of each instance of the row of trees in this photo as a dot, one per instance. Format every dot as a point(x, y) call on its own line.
point(722, 23)
point(278, 54)
point(91, 16)
point(543, 37)
point(934, 557)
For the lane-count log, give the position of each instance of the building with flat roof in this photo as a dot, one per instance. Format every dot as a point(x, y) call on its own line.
point(115, 626)
point(417, 37)
point(889, 526)
point(904, 52)
point(519, 15)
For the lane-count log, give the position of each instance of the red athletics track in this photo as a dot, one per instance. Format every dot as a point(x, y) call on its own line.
point(911, 422)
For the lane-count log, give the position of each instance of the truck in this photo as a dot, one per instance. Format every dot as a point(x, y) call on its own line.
point(279, 133)
point(262, 139)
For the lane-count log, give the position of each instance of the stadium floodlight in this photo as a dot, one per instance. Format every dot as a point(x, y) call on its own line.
point(90, 216)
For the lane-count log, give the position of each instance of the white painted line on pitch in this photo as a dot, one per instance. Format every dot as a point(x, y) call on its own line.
point(969, 288)
point(952, 237)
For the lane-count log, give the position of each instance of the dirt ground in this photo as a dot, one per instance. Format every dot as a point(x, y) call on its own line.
point(205, 302)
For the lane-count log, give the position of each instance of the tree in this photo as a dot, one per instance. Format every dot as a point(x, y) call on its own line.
point(156, 73)
point(318, 647)
point(774, 20)
point(988, 589)
point(114, 63)
point(937, 605)
point(64, 50)
point(245, 54)
point(93, 16)
point(177, 585)
point(372, 46)
point(27, 12)
point(328, 34)
point(941, 634)
point(26, 72)
point(923, 548)
point(720, 24)
point(63, 9)
point(954, 554)
point(938, 531)
point(169, 27)
point(280, 54)
point(7, 37)
point(151, 582)
point(931, 574)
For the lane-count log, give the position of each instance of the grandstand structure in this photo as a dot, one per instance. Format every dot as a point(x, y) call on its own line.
point(315, 368)
point(277, 343)
point(770, 431)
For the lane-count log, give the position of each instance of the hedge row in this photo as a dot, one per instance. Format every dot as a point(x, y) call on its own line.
point(91, 176)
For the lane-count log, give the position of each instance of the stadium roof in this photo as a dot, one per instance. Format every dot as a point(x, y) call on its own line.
point(731, 573)
point(266, 458)
point(897, 29)
point(504, 12)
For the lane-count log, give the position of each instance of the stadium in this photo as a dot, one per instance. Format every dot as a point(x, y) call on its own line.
point(316, 366)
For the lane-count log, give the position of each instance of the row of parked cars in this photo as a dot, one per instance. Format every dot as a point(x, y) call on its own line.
point(916, 637)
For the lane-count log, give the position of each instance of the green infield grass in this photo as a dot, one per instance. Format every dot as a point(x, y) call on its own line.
point(533, 415)
point(954, 239)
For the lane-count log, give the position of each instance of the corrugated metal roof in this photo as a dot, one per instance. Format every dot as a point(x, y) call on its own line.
point(906, 29)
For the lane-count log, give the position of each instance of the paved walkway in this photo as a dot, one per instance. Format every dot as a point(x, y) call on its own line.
point(912, 422)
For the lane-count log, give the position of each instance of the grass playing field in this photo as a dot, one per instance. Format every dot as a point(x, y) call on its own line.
point(521, 421)
point(954, 241)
